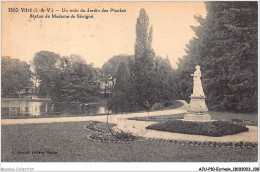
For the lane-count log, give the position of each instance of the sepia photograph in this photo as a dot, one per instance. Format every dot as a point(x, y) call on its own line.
point(130, 81)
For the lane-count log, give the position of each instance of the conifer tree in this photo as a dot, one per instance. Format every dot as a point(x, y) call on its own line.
point(144, 59)
point(226, 49)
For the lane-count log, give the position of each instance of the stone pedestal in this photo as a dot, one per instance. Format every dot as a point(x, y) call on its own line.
point(197, 117)
point(198, 104)
point(198, 110)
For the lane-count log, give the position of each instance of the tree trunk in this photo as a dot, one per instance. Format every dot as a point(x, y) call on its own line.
point(48, 94)
point(105, 88)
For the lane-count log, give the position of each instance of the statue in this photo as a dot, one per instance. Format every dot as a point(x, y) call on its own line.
point(198, 110)
point(197, 86)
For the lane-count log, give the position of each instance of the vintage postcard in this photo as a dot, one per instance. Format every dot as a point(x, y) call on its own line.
point(135, 81)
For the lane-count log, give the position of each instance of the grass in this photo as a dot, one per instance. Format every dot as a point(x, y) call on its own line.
point(215, 128)
point(70, 142)
point(240, 118)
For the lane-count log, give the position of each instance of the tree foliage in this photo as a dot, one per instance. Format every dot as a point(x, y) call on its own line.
point(163, 80)
point(122, 94)
point(110, 68)
point(67, 78)
point(15, 75)
point(144, 61)
point(46, 67)
point(226, 49)
point(76, 82)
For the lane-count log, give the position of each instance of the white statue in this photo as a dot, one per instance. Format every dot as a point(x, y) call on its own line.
point(197, 86)
point(197, 109)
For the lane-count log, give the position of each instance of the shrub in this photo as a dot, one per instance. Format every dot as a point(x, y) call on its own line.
point(173, 104)
point(215, 128)
point(128, 136)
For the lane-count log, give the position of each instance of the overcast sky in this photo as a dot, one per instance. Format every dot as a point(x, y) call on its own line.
point(101, 38)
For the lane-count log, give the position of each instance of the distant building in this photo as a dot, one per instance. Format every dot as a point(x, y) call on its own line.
point(106, 89)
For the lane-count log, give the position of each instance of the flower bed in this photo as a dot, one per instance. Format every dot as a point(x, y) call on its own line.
point(102, 134)
point(215, 128)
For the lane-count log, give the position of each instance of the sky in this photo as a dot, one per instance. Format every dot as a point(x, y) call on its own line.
point(100, 38)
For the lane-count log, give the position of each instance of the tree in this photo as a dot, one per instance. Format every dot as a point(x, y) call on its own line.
point(226, 50)
point(163, 79)
point(144, 59)
point(143, 80)
point(15, 75)
point(110, 68)
point(46, 67)
point(186, 66)
point(121, 96)
point(76, 82)
point(73, 58)
point(242, 23)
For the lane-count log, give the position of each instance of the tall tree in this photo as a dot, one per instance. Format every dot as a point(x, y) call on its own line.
point(144, 59)
point(15, 75)
point(241, 21)
point(226, 50)
point(143, 80)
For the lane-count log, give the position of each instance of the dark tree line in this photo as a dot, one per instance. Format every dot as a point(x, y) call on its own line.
point(63, 79)
point(226, 49)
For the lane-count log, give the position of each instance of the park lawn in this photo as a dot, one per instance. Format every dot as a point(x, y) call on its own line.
point(70, 142)
point(247, 118)
point(240, 118)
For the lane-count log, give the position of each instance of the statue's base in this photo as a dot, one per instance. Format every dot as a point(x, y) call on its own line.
point(197, 117)
point(198, 104)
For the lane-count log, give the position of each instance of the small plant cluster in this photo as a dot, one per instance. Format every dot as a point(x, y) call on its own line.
point(121, 135)
point(215, 128)
point(92, 126)
point(106, 136)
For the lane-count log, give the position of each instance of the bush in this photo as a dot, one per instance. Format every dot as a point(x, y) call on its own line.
point(119, 102)
point(127, 136)
point(157, 106)
point(172, 104)
point(215, 128)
